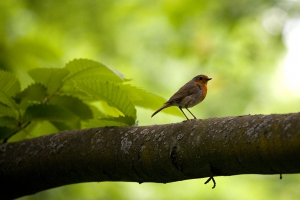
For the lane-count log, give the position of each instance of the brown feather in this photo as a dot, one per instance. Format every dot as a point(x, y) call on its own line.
point(189, 95)
point(183, 92)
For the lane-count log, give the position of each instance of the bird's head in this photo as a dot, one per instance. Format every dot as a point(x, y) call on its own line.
point(201, 79)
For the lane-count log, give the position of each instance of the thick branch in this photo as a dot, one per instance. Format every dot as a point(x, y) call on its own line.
point(259, 144)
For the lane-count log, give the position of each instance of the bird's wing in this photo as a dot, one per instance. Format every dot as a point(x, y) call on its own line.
point(186, 90)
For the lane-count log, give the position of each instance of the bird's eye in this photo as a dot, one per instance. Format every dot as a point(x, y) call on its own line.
point(200, 78)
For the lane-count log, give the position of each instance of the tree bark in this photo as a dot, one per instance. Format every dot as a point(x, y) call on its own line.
point(251, 144)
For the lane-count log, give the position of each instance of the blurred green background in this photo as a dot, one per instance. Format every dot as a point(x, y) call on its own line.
point(247, 46)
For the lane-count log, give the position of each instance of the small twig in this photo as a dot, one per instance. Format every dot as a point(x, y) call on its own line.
point(20, 123)
point(47, 98)
point(211, 178)
point(19, 127)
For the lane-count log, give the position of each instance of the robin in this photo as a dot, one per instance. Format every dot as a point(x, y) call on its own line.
point(189, 95)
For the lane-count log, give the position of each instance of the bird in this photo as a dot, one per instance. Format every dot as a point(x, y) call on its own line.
point(189, 95)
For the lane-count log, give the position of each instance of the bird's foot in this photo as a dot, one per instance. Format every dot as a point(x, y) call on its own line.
point(211, 178)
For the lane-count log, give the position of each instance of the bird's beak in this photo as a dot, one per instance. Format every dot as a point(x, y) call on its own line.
point(209, 79)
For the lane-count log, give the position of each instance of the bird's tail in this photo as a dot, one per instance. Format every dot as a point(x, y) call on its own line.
point(163, 107)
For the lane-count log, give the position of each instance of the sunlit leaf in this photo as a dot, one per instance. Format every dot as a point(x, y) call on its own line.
point(84, 69)
point(74, 105)
point(34, 130)
point(102, 120)
point(9, 86)
point(7, 111)
point(34, 92)
point(95, 121)
point(52, 78)
point(146, 99)
point(106, 109)
point(109, 92)
point(48, 112)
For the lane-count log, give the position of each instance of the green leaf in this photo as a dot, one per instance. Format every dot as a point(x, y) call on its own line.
point(9, 86)
point(74, 105)
point(107, 109)
point(95, 121)
point(8, 122)
point(48, 112)
point(33, 129)
point(7, 111)
point(35, 92)
point(109, 92)
point(84, 69)
point(8, 127)
point(146, 99)
point(52, 78)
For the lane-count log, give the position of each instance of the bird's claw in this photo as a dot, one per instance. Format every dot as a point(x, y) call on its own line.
point(209, 179)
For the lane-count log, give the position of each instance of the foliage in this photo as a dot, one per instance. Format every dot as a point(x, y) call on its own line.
point(65, 97)
point(162, 43)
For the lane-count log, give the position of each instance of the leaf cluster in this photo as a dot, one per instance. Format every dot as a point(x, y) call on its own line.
point(82, 94)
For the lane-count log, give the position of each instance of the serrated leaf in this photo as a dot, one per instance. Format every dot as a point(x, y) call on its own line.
point(52, 78)
point(9, 86)
point(8, 122)
point(48, 112)
point(109, 92)
point(74, 105)
point(146, 99)
point(34, 92)
point(84, 69)
point(7, 111)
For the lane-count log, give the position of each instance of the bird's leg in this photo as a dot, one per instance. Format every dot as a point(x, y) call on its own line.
point(213, 180)
point(183, 113)
point(191, 113)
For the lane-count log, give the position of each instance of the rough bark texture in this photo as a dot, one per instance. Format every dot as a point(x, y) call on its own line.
point(258, 144)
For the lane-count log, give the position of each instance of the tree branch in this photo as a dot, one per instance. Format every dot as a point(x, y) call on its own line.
point(258, 144)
